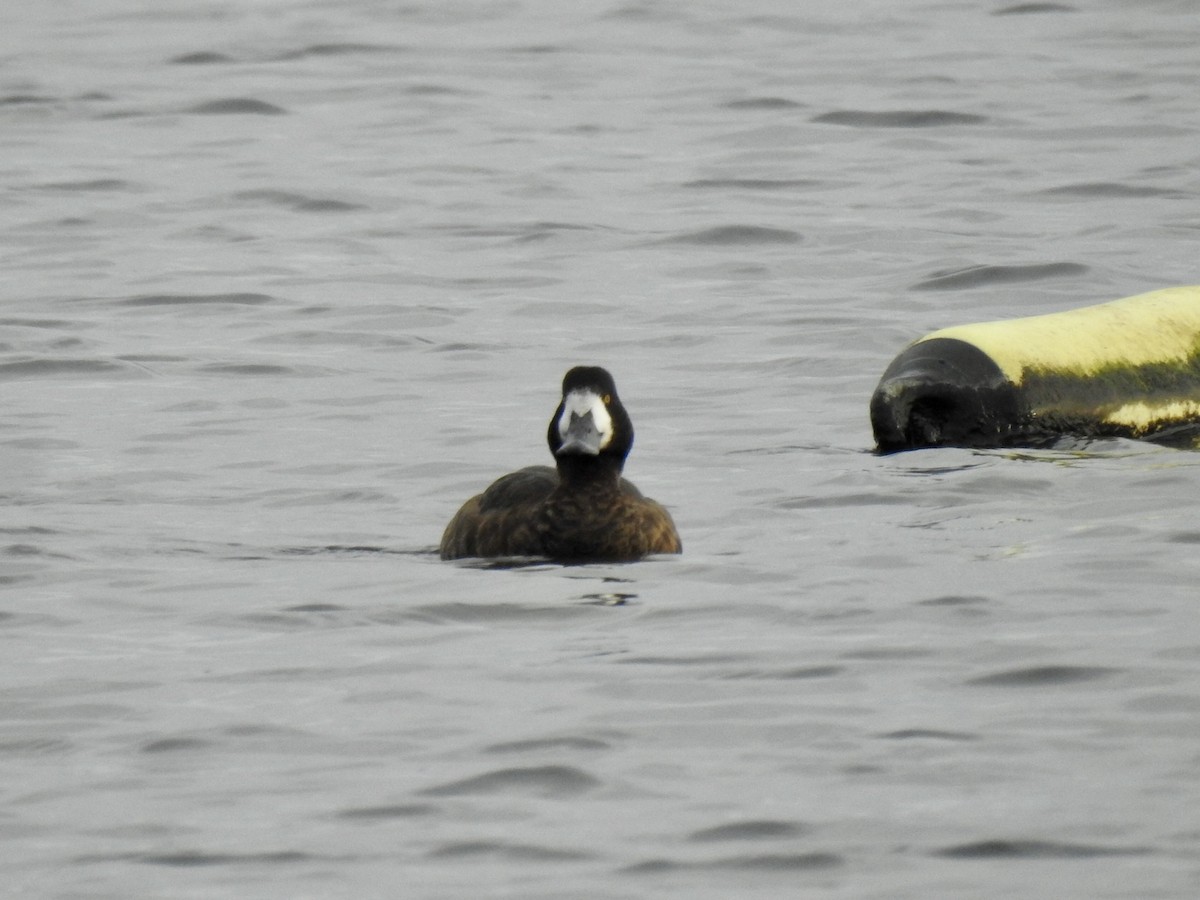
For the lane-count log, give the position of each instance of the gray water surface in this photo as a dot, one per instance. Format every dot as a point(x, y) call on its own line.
point(282, 283)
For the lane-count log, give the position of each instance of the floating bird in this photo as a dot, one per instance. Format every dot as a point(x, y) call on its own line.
point(580, 511)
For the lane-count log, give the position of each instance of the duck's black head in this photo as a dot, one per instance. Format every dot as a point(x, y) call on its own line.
point(591, 432)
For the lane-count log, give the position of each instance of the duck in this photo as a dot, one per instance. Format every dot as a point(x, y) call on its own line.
point(580, 510)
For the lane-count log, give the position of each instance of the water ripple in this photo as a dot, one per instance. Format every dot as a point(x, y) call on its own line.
point(542, 781)
point(755, 184)
point(383, 813)
point(232, 299)
point(978, 276)
point(750, 830)
point(338, 49)
point(769, 862)
point(200, 58)
point(1112, 189)
point(763, 103)
point(1034, 849)
point(236, 106)
point(539, 745)
point(1036, 676)
point(507, 851)
point(1024, 9)
point(910, 118)
point(932, 734)
point(298, 202)
point(89, 184)
point(45, 368)
point(195, 858)
point(175, 745)
point(736, 236)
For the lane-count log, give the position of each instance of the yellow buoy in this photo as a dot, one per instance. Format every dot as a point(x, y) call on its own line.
point(1129, 368)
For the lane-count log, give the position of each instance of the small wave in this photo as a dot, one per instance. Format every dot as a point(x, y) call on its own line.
point(810, 672)
point(842, 500)
point(1035, 676)
point(977, 276)
point(175, 745)
point(1034, 849)
point(383, 813)
point(541, 745)
point(927, 734)
point(195, 858)
point(236, 106)
point(251, 369)
point(45, 367)
point(41, 443)
point(910, 118)
point(348, 48)
point(736, 236)
point(769, 862)
point(754, 184)
point(315, 608)
point(699, 659)
point(26, 99)
point(763, 103)
point(298, 201)
point(496, 613)
point(537, 49)
point(350, 550)
point(1112, 189)
point(35, 746)
point(37, 323)
point(435, 90)
point(542, 781)
point(93, 184)
point(954, 600)
point(750, 830)
point(200, 58)
point(197, 299)
point(798, 673)
point(509, 851)
point(1026, 9)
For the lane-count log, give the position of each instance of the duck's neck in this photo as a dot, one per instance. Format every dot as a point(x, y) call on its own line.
point(589, 473)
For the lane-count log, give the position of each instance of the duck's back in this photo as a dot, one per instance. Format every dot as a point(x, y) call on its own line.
point(616, 527)
point(525, 514)
point(502, 521)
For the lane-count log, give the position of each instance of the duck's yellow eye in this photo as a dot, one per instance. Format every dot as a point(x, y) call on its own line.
point(606, 399)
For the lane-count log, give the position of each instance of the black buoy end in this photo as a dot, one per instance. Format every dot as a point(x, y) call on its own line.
point(943, 392)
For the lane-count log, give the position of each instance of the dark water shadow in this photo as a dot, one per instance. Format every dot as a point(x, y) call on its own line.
point(1044, 676)
point(766, 862)
point(236, 106)
point(193, 859)
point(904, 118)
point(1027, 9)
point(540, 781)
point(508, 851)
point(1023, 849)
point(928, 734)
point(565, 743)
point(984, 275)
point(749, 830)
point(763, 103)
point(386, 812)
point(1114, 190)
point(734, 236)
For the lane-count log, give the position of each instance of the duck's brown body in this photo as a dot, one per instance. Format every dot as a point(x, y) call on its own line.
point(531, 513)
point(583, 510)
